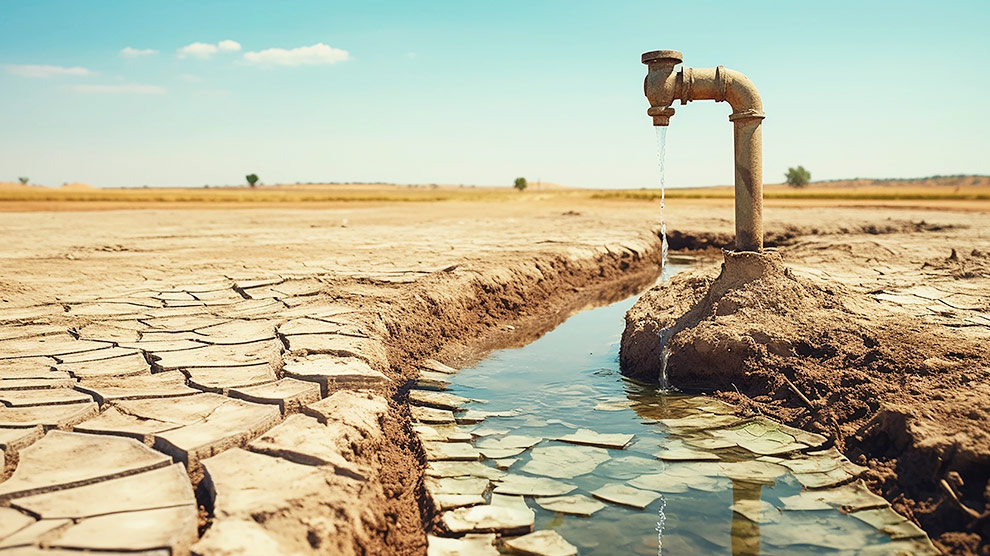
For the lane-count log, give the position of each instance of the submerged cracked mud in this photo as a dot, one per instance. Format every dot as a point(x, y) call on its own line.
point(869, 358)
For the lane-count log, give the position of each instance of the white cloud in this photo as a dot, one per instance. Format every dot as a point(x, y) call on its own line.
point(190, 78)
point(204, 50)
point(200, 50)
point(128, 52)
point(28, 70)
point(304, 55)
point(130, 88)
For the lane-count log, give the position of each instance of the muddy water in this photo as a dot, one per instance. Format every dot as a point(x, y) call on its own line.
point(569, 380)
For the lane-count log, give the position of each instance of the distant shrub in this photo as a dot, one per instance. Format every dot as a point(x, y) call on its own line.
point(252, 179)
point(23, 180)
point(520, 184)
point(797, 177)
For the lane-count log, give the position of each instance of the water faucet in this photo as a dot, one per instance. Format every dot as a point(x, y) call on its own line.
point(663, 86)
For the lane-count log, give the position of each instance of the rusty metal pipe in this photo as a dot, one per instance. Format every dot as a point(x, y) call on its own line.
point(663, 86)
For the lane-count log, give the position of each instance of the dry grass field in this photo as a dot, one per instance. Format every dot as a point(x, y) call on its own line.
point(954, 193)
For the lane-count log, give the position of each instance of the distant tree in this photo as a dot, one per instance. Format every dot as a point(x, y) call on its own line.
point(252, 179)
point(520, 184)
point(797, 177)
point(23, 180)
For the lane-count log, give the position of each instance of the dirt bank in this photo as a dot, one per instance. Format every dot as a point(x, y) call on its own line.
point(304, 287)
point(883, 350)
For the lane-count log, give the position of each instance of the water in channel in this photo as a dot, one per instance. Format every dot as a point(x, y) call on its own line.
point(724, 485)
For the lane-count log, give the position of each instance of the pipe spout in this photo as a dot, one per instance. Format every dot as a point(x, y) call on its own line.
point(660, 84)
point(664, 85)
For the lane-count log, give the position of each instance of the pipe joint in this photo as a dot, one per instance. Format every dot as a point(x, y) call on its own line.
point(747, 114)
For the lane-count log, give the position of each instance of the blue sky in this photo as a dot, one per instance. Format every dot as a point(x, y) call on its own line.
point(480, 92)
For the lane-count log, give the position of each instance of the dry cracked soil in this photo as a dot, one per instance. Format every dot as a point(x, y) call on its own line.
point(235, 381)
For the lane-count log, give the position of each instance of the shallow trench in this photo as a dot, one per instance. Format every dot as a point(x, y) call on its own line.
point(686, 474)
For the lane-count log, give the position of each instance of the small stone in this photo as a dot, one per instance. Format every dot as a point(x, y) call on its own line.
point(592, 438)
point(625, 495)
point(542, 543)
point(576, 504)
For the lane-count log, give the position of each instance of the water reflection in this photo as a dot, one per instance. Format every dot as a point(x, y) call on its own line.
point(728, 483)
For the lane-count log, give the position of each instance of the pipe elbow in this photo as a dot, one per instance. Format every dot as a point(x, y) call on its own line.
point(742, 95)
point(721, 85)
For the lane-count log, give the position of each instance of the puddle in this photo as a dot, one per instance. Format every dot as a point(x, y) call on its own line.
point(692, 478)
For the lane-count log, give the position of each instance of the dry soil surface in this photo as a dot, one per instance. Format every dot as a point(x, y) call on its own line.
point(270, 350)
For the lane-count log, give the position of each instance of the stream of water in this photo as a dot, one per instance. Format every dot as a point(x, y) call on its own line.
point(700, 491)
point(661, 154)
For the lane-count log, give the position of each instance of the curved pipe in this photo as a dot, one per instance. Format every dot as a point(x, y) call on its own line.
point(662, 87)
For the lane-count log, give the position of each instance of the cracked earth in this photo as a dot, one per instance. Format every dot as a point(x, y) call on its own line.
point(234, 381)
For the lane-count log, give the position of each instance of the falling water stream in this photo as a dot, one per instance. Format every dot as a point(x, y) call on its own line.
point(661, 154)
point(665, 333)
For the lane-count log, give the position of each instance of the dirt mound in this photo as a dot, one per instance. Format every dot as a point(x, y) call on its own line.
point(815, 354)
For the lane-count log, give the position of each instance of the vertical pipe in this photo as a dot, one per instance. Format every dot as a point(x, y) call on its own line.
point(748, 142)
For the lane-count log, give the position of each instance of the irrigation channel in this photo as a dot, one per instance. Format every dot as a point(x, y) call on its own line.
point(618, 467)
